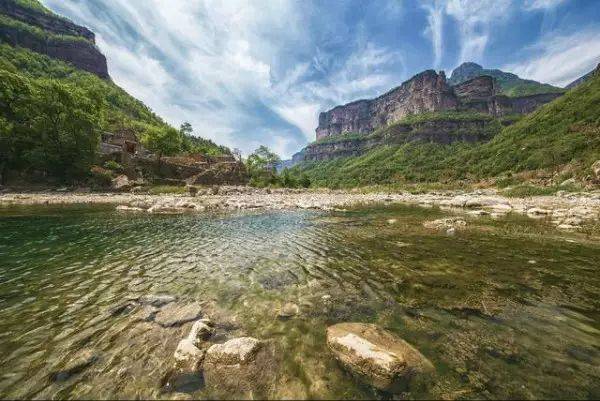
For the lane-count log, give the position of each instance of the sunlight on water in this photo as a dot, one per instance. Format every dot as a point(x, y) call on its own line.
point(500, 310)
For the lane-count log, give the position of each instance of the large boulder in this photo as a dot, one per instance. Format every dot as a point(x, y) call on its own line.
point(241, 368)
point(376, 356)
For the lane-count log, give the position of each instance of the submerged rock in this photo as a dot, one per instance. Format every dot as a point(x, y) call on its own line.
point(242, 367)
point(156, 300)
point(81, 361)
point(376, 356)
point(175, 314)
point(288, 310)
point(448, 223)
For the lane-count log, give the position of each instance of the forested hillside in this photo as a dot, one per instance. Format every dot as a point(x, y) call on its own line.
point(564, 132)
point(52, 113)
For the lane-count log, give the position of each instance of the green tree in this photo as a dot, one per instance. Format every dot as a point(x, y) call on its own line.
point(262, 167)
point(163, 141)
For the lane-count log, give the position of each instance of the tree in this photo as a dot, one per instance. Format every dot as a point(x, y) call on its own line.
point(262, 167)
point(263, 160)
point(186, 129)
point(163, 141)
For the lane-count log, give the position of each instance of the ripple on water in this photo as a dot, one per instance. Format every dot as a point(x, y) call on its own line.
point(495, 325)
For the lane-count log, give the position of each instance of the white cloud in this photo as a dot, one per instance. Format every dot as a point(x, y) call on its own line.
point(541, 4)
point(559, 60)
point(435, 28)
point(474, 19)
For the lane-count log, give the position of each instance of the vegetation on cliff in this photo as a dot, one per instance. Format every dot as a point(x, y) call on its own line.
point(36, 89)
point(566, 131)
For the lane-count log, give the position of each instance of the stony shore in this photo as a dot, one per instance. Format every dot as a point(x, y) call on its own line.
point(566, 210)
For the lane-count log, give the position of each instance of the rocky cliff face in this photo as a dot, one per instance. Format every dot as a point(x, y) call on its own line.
point(507, 83)
point(58, 38)
point(435, 131)
point(426, 92)
point(48, 22)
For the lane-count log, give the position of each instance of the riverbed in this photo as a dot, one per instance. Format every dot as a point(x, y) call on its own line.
point(506, 306)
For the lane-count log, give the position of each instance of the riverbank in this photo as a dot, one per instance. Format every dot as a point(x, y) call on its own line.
point(567, 210)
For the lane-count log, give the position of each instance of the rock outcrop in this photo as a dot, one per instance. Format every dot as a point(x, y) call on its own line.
point(435, 131)
point(44, 20)
point(52, 36)
point(425, 92)
point(376, 356)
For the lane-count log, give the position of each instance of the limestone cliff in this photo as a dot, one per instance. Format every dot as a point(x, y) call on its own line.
point(51, 35)
point(425, 92)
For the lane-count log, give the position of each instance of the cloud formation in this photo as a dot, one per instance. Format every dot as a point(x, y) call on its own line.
point(247, 73)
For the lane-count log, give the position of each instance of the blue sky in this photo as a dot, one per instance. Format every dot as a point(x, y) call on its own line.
point(252, 72)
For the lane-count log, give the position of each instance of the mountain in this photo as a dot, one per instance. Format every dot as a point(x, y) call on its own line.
point(28, 24)
point(426, 107)
point(56, 98)
point(562, 135)
point(509, 84)
point(582, 79)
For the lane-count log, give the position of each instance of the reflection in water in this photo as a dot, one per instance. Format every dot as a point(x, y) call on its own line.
point(500, 311)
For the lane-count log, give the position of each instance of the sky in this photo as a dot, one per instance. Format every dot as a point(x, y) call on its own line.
point(247, 73)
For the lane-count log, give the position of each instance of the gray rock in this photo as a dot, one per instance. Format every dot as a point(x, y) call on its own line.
point(175, 314)
point(376, 356)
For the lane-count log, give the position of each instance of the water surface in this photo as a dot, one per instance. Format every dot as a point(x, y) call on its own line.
point(508, 308)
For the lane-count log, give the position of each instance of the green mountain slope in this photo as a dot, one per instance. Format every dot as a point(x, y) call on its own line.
point(566, 131)
point(511, 84)
point(52, 114)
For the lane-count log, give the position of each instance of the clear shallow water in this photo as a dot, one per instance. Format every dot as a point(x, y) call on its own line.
point(500, 310)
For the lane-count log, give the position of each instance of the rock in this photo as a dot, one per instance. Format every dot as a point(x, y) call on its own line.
point(125, 208)
point(192, 190)
point(176, 315)
point(451, 222)
point(536, 211)
point(236, 351)
point(156, 300)
point(187, 351)
point(376, 356)
point(570, 181)
point(596, 169)
point(288, 310)
point(81, 361)
point(392, 221)
point(201, 331)
point(241, 368)
point(121, 183)
point(63, 189)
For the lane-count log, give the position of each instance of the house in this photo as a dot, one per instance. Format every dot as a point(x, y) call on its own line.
point(121, 146)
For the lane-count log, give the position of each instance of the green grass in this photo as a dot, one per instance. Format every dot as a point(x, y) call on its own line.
point(566, 131)
point(167, 189)
point(34, 5)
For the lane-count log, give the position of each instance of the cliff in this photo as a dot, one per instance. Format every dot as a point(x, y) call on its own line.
point(51, 35)
point(441, 129)
point(509, 84)
point(425, 92)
